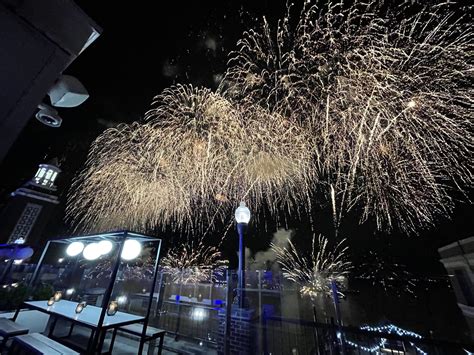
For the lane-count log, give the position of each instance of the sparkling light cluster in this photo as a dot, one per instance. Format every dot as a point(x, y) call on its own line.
point(193, 160)
point(315, 272)
point(193, 263)
point(142, 269)
point(388, 329)
point(385, 95)
point(387, 274)
point(369, 106)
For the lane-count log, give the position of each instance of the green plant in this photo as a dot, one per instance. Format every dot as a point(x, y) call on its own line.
point(12, 297)
point(43, 292)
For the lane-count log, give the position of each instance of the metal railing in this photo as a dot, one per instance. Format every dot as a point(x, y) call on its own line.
point(195, 313)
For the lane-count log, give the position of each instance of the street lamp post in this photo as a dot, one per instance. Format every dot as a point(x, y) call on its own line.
point(242, 217)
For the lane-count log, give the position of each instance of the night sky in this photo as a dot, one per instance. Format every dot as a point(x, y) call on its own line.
point(144, 49)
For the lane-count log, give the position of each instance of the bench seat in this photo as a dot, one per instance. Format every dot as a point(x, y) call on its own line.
point(137, 329)
point(37, 343)
point(8, 329)
point(151, 335)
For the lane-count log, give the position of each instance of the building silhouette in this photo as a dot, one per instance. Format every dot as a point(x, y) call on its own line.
point(30, 207)
point(458, 260)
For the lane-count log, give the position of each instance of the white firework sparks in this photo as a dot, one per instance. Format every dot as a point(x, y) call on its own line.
point(315, 272)
point(191, 264)
point(386, 96)
point(196, 156)
point(371, 106)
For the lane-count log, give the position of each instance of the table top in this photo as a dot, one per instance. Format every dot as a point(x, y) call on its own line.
point(89, 315)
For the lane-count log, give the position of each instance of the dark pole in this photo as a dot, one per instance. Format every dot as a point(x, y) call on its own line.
point(335, 298)
point(241, 230)
point(150, 299)
point(228, 311)
point(316, 333)
point(6, 271)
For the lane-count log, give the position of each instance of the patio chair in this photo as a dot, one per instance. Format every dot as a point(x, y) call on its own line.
point(37, 343)
point(151, 335)
point(8, 329)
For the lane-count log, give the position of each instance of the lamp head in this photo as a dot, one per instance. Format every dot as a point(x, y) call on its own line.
point(242, 213)
point(68, 91)
point(48, 116)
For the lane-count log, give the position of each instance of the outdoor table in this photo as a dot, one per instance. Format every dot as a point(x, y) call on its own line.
point(89, 318)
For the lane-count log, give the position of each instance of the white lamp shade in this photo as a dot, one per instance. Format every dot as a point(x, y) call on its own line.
point(242, 213)
point(92, 251)
point(131, 249)
point(199, 314)
point(68, 91)
point(105, 247)
point(75, 248)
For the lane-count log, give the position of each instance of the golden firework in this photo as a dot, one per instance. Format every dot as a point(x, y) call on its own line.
point(194, 262)
point(192, 160)
point(384, 94)
point(315, 272)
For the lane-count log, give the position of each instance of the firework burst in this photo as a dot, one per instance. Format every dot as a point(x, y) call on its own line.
point(386, 97)
point(314, 273)
point(391, 276)
point(142, 269)
point(193, 159)
point(191, 264)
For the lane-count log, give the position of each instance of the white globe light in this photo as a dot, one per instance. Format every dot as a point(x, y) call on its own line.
point(242, 213)
point(92, 251)
point(75, 248)
point(199, 314)
point(131, 249)
point(122, 300)
point(105, 246)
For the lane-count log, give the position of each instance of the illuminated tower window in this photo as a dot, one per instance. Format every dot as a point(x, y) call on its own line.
point(46, 175)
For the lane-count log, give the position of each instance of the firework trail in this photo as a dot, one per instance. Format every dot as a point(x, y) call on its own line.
point(194, 263)
point(385, 96)
point(315, 272)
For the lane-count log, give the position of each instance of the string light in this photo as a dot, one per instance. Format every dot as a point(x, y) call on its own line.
point(386, 329)
point(391, 329)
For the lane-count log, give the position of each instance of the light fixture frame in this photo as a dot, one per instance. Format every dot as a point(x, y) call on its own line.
point(118, 238)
